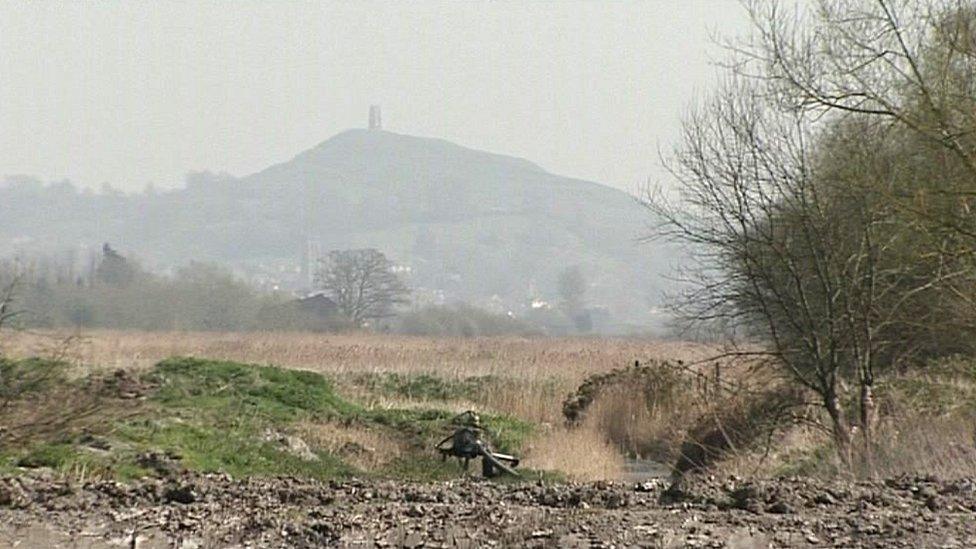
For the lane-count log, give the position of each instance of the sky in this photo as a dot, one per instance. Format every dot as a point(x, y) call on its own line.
point(133, 93)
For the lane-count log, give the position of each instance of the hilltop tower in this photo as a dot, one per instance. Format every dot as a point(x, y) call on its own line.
point(375, 118)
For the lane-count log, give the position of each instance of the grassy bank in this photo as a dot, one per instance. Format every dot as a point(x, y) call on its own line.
point(541, 371)
point(207, 415)
point(522, 378)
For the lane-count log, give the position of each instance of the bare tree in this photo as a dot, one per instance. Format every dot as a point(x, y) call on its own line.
point(362, 283)
point(786, 254)
point(905, 63)
point(8, 291)
point(826, 194)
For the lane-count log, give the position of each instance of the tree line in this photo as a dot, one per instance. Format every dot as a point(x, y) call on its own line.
point(118, 293)
point(361, 287)
point(827, 194)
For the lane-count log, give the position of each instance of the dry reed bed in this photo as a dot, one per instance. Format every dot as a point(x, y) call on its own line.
point(510, 356)
point(544, 371)
point(547, 369)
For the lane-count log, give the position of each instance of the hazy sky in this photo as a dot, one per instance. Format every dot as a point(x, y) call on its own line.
point(131, 93)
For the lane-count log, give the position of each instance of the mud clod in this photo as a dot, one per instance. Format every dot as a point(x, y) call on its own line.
point(218, 511)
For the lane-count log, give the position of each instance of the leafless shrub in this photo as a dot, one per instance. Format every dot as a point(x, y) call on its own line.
point(8, 310)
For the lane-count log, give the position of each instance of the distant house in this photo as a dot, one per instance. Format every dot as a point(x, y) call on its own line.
point(316, 312)
point(319, 305)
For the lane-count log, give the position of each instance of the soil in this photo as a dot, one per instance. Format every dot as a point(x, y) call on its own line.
point(191, 510)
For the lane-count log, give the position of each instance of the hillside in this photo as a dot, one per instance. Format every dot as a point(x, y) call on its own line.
point(469, 225)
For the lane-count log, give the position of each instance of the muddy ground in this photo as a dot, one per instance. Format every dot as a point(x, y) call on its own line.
point(217, 511)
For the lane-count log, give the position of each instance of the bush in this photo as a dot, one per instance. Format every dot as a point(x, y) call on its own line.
point(462, 321)
point(673, 414)
point(290, 317)
point(22, 378)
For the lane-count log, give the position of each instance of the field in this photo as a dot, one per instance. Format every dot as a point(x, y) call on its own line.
point(523, 379)
point(926, 425)
point(148, 440)
point(567, 360)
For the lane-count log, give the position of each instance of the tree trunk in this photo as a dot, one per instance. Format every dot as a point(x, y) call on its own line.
point(868, 419)
point(841, 430)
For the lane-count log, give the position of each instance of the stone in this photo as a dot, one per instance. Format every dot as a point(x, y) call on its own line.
point(183, 494)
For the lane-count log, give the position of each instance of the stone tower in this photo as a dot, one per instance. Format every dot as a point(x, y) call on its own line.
point(375, 118)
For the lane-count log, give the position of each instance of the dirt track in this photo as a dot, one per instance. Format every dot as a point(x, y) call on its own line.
point(215, 511)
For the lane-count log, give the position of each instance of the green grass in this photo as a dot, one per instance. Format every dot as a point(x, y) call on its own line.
point(23, 378)
point(215, 415)
point(69, 459)
point(237, 451)
point(424, 386)
point(53, 455)
point(243, 390)
point(508, 435)
point(505, 433)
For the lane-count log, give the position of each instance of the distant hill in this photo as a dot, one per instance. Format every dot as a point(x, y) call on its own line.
point(468, 225)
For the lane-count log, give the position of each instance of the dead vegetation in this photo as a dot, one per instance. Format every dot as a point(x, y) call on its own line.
point(741, 419)
point(727, 416)
point(543, 371)
point(364, 448)
point(527, 379)
point(579, 453)
point(689, 416)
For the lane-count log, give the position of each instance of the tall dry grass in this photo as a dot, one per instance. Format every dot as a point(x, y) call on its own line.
point(545, 370)
point(539, 372)
point(641, 424)
point(581, 454)
point(910, 445)
point(945, 447)
point(688, 417)
point(927, 426)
